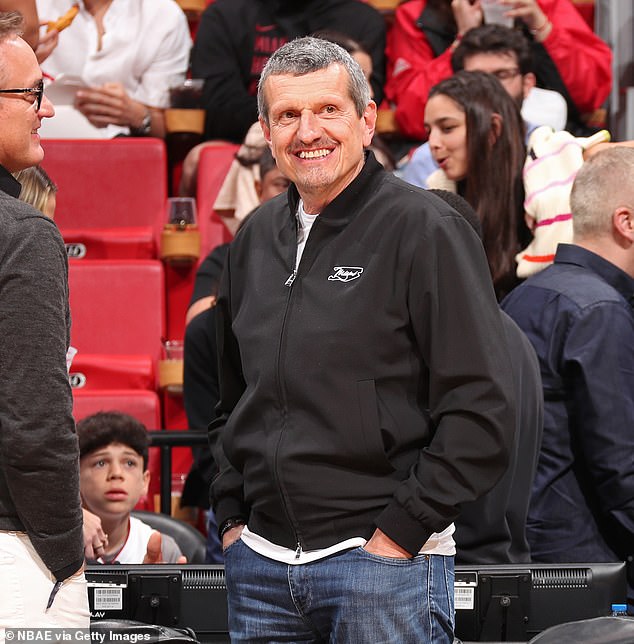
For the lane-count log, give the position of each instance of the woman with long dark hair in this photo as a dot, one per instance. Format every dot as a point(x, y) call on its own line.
point(476, 135)
point(568, 56)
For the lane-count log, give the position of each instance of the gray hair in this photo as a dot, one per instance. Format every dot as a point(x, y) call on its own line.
point(604, 183)
point(11, 24)
point(306, 55)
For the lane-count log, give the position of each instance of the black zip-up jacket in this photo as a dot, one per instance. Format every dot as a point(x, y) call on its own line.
point(370, 389)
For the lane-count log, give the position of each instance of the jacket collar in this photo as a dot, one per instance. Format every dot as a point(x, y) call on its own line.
point(347, 203)
point(9, 184)
point(613, 275)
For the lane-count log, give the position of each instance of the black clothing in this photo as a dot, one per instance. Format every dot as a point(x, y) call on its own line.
point(369, 389)
point(492, 529)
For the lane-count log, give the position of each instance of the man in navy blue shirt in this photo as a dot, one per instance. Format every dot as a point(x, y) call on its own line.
point(579, 316)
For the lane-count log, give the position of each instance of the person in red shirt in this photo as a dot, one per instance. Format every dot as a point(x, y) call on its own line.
point(569, 57)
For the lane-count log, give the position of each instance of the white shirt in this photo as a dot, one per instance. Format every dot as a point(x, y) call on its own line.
point(145, 47)
point(135, 547)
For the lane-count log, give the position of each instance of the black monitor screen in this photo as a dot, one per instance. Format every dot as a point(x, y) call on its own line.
point(187, 596)
point(516, 602)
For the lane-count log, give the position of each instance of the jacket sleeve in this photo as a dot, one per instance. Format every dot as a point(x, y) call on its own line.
point(583, 60)
point(230, 109)
point(412, 70)
point(227, 486)
point(38, 445)
point(458, 331)
point(598, 357)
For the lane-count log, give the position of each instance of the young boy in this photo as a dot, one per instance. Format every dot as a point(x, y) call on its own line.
point(113, 477)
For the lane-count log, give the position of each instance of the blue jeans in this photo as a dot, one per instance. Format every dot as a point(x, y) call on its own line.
point(350, 598)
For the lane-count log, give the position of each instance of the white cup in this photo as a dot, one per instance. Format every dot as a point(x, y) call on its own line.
point(494, 13)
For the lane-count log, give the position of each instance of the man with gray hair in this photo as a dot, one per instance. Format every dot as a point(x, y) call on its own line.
point(579, 316)
point(365, 389)
point(41, 544)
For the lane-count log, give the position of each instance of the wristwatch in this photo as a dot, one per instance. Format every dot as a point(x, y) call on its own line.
point(228, 524)
point(146, 125)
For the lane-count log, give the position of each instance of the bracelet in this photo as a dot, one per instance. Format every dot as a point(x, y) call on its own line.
point(233, 522)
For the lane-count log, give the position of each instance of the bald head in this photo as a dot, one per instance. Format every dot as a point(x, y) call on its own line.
point(604, 184)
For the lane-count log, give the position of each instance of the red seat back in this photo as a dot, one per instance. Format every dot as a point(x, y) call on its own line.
point(117, 306)
point(213, 166)
point(109, 184)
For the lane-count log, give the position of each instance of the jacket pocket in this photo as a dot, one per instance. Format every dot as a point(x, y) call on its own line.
point(371, 426)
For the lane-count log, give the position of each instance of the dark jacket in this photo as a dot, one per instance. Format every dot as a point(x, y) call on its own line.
point(325, 383)
point(492, 529)
point(39, 454)
point(236, 37)
point(579, 316)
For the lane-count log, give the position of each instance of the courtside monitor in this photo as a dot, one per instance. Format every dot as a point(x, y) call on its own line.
point(516, 602)
point(181, 596)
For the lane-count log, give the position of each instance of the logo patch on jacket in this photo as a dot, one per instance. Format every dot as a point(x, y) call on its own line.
point(345, 273)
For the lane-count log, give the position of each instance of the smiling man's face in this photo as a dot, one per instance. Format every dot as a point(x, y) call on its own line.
point(315, 133)
point(20, 119)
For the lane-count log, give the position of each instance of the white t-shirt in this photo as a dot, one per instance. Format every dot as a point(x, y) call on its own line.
point(145, 47)
point(135, 547)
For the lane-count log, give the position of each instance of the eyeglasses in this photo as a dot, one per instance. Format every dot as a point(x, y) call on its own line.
point(506, 74)
point(36, 92)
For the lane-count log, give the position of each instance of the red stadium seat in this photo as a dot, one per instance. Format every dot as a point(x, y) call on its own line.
point(112, 194)
point(117, 306)
point(91, 371)
point(142, 404)
point(213, 166)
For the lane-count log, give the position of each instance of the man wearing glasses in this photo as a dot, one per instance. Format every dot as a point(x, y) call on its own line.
point(505, 53)
point(41, 544)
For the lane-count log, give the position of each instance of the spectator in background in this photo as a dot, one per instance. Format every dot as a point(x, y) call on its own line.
point(579, 316)
point(127, 53)
point(41, 545)
point(568, 57)
point(497, 50)
point(113, 449)
point(38, 189)
point(492, 529)
point(476, 135)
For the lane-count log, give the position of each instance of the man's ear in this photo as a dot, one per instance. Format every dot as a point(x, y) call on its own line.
point(266, 130)
point(623, 222)
point(528, 82)
point(369, 118)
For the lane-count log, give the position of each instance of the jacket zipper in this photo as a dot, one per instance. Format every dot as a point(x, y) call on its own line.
point(283, 401)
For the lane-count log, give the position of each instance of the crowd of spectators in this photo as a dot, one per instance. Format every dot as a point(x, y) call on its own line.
point(457, 88)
